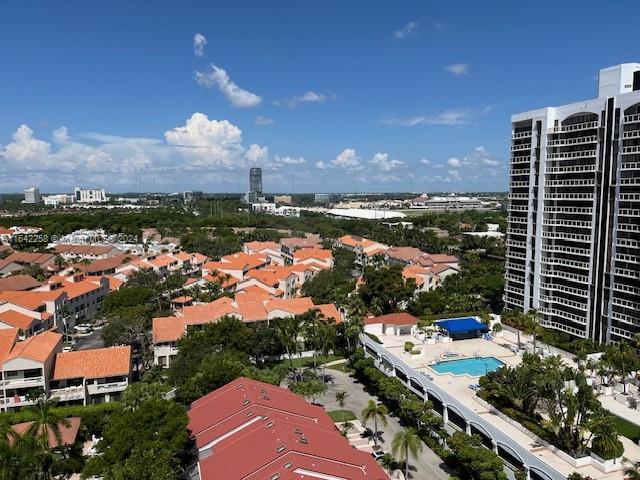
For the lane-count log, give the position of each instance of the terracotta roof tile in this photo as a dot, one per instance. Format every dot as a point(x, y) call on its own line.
point(16, 319)
point(68, 433)
point(399, 318)
point(94, 363)
point(167, 329)
point(18, 283)
point(37, 348)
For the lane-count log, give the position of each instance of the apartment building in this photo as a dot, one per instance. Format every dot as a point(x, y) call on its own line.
point(26, 366)
point(93, 376)
point(573, 237)
point(32, 196)
point(364, 248)
point(90, 195)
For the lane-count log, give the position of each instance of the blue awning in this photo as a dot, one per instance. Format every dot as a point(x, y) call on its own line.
point(462, 325)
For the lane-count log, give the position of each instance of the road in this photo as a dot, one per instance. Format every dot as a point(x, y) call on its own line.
point(428, 466)
point(93, 340)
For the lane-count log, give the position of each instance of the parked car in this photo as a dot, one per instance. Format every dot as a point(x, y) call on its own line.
point(378, 454)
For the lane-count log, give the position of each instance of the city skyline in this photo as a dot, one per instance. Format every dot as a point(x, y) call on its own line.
point(401, 98)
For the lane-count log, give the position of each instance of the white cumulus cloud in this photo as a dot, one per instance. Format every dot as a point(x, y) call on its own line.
point(454, 162)
point(348, 159)
point(384, 163)
point(457, 69)
point(218, 77)
point(199, 42)
point(307, 97)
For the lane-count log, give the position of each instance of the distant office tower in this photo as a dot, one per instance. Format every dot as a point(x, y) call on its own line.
point(90, 195)
point(573, 242)
point(255, 180)
point(32, 195)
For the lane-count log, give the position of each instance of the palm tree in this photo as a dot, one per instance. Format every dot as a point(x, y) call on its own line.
point(388, 462)
point(85, 263)
point(341, 398)
point(375, 412)
point(406, 444)
point(47, 422)
point(59, 262)
point(633, 472)
point(288, 331)
point(326, 341)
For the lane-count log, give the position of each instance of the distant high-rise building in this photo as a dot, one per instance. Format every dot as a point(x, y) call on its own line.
point(90, 195)
point(573, 241)
point(32, 195)
point(255, 180)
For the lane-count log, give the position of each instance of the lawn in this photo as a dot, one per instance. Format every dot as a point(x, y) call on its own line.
point(626, 428)
point(308, 361)
point(341, 367)
point(342, 415)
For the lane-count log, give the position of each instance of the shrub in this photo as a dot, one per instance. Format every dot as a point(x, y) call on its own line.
point(408, 346)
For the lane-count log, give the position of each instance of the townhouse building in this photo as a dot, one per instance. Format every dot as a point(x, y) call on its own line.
point(93, 376)
point(25, 366)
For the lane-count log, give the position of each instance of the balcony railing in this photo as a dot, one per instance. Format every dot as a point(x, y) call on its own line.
point(561, 142)
point(571, 155)
point(632, 118)
point(631, 150)
point(631, 134)
point(94, 389)
point(517, 135)
point(519, 148)
point(23, 381)
point(575, 127)
point(68, 393)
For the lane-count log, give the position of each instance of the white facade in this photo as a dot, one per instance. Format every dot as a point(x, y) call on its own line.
point(573, 238)
point(60, 199)
point(32, 196)
point(90, 195)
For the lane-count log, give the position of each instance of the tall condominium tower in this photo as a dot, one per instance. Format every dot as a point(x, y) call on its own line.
point(573, 242)
point(255, 180)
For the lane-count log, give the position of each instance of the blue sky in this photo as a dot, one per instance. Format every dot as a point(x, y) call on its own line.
point(325, 96)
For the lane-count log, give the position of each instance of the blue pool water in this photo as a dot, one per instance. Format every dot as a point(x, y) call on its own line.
point(475, 367)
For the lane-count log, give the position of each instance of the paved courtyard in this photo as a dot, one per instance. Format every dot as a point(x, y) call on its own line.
point(427, 466)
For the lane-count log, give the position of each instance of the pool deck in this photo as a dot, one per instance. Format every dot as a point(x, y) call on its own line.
point(501, 348)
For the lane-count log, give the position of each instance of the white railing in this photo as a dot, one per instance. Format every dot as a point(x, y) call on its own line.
point(571, 155)
point(517, 135)
point(630, 166)
point(632, 118)
point(631, 150)
point(521, 159)
point(631, 134)
point(570, 169)
point(68, 393)
point(518, 148)
point(561, 142)
point(575, 127)
point(15, 382)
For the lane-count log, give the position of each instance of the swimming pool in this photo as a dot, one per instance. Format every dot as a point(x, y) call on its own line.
point(474, 367)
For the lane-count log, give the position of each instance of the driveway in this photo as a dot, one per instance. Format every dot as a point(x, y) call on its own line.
point(428, 466)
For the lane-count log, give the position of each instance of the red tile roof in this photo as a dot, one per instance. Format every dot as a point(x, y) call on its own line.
point(208, 312)
point(37, 348)
point(330, 311)
point(8, 337)
point(167, 329)
point(106, 264)
point(319, 253)
point(285, 435)
point(399, 318)
point(94, 363)
point(18, 283)
point(16, 319)
point(68, 433)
